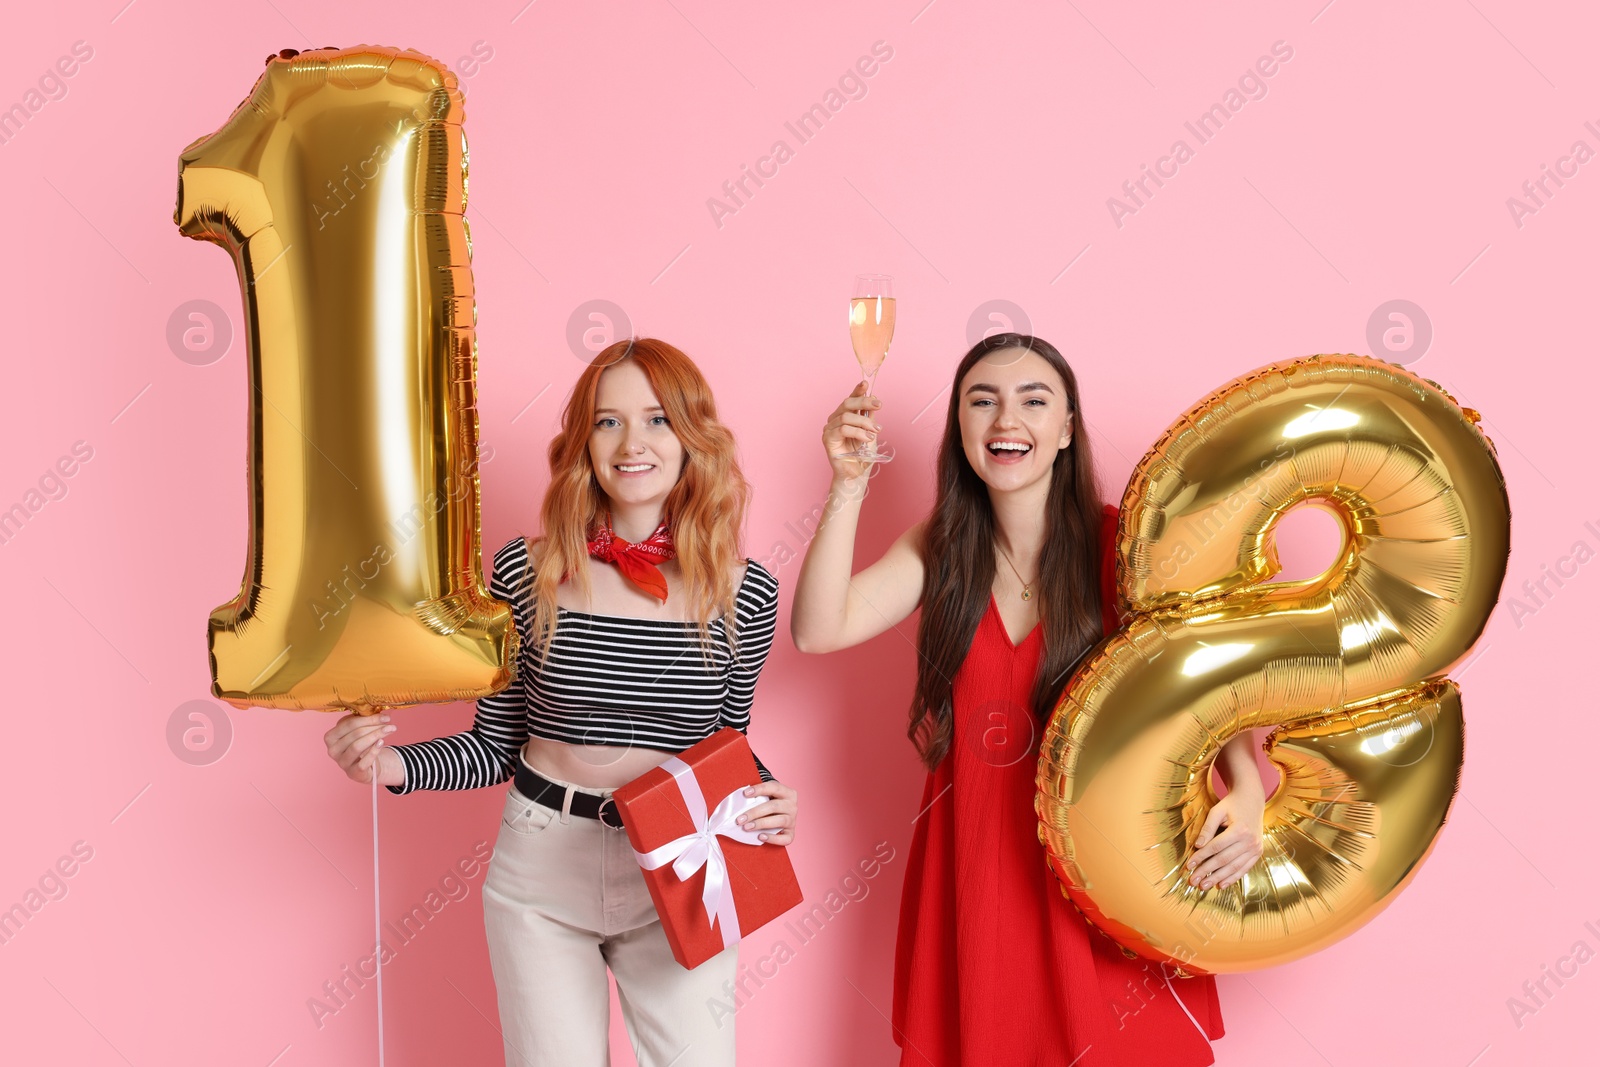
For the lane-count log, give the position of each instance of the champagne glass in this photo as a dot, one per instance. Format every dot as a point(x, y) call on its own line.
point(871, 329)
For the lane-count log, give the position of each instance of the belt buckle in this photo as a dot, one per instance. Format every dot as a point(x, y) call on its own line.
point(607, 812)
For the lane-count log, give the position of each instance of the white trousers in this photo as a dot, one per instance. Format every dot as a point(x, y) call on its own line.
point(563, 900)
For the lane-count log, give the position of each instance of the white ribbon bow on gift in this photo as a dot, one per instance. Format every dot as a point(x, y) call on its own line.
point(689, 853)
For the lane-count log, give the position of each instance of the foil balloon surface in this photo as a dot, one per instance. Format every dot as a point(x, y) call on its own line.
point(1348, 668)
point(338, 186)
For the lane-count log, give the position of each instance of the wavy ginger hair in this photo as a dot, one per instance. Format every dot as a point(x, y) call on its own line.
point(705, 510)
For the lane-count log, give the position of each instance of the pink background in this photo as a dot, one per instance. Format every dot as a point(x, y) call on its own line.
point(220, 897)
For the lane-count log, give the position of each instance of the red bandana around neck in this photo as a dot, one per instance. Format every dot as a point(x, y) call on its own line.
point(639, 561)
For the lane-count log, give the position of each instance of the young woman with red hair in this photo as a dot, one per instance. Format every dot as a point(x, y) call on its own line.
point(620, 667)
point(1012, 572)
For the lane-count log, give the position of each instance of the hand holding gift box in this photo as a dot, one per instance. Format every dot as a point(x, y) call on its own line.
point(712, 881)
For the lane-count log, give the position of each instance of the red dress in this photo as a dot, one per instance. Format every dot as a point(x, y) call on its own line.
point(993, 967)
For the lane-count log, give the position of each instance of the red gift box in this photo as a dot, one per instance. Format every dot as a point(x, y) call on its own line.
point(679, 818)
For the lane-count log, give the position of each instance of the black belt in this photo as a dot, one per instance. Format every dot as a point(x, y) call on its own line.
point(541, 790)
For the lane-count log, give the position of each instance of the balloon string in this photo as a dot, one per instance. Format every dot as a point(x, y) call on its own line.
point(377, 919)
point(1164, 978)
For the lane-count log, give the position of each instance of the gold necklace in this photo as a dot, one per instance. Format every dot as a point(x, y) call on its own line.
point(1027, 587)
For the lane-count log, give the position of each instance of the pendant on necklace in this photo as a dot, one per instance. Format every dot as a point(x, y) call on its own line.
point(1027, 594)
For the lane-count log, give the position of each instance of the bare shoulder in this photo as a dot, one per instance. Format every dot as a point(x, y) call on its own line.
point(907, 561)
point(893, 584)
point(910, 545)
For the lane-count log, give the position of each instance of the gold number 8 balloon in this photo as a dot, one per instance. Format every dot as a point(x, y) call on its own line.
point(1347, 667)
point(338, 187)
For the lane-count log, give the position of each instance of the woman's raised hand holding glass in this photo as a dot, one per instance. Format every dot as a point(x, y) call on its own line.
point(849, 434)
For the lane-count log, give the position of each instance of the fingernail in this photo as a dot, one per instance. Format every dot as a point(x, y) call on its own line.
point(749, 791)
point(765, 836)
point(390, 729)
point(383, 718)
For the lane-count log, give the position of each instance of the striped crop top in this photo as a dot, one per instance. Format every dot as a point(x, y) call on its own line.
point(605, 680)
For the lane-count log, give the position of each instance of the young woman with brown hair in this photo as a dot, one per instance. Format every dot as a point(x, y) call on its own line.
point(620, 667)
point(1012, 572)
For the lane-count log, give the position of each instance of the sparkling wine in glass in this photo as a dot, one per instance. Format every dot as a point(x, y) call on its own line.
point(871, 330)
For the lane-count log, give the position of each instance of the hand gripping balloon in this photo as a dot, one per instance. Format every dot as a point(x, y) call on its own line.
point(1348, 667)
point(338, 187)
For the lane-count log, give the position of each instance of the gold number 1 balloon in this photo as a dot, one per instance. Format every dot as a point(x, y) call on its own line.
point(1348, 667)
point(338, 186)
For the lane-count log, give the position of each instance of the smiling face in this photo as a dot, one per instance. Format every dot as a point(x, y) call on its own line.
point(636, 457)
point(1014, 417)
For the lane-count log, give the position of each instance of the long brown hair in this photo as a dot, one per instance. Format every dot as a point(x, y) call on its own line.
point(958, 552)
point(705, 510)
